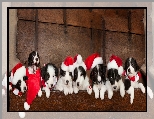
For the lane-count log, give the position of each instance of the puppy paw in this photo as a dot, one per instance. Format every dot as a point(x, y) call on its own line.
point(71, 91)
point(102, 96)
point(143, 90)
point(76, 90)
point(65, 92)
point(131, 100)
point(122, 93)
point(47, 94)
point(110, 94)
point(96, 95)
point(89, 90)
point(40, 93)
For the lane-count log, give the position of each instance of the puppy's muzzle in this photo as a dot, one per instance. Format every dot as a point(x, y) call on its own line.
point(115, 87)
point(67, 82)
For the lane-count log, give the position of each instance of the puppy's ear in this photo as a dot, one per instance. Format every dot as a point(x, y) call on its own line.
point(43, 72)
point(56, 71)
point(91, 74)
point(125, 67)
point(25, 78)
point(30, 59)
point(104, 69)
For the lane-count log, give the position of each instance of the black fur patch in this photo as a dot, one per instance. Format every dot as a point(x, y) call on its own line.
point(82, 70)
point(17, 86)
point(62, 73)
point(127, 84)
point(44, 74)
point(131, 62)
point(94, 74)
point(113, 76)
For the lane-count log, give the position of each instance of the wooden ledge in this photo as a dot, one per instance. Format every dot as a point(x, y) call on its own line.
point(80, 102)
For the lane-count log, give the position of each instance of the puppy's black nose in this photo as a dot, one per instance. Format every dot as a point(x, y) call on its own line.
point(129, 70)
point(77, 83)
point(36, 59)
point(67, 81)
point(115, 87)
point(51, 85)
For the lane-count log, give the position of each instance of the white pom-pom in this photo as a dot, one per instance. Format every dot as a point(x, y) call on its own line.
point(21, 114)
point(120, 70)
point(16, 91)
point(3, 92)
point(79, 59)
point(26, 106)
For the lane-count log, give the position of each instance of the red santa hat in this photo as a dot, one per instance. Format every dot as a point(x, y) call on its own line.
point(116, 63)
point(93, 60)
point(67, 65)
point(17, 72)
point(33, 87)
point(79, 62)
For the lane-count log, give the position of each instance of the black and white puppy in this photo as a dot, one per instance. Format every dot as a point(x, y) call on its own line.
point(33, 62)
point(98, 77)
point(49, 74)
point(17, 79)
point(81, 80)
point(132, 77)
point(21, 84)
point(114, 82)
point(65, 82)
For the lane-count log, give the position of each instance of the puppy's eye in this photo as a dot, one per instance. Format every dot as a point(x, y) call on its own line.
point(70, 73)
point(53, 76)
point(132, 64)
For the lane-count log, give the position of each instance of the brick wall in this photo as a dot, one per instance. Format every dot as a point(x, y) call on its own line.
point(71, 31)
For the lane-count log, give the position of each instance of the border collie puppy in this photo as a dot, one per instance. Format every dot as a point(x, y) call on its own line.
point(98, 78)
point(33, 62)
point(97, 75)
point(132, 77)
point(114, 83)
point(17, 79)
point(80, 78)
point(114, 80)
point(49, 74)
point(65, 80)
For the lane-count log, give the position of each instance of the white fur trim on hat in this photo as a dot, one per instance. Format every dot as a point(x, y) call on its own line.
point(64, 67)
point(71, 68)
point(112, 64)
point(26, 106)
point(97, 61)
point(21, 72)
point(120, 70)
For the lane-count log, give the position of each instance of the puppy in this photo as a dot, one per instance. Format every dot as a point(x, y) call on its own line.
point(65, 82)
point(81, 80)
point(33, 62)
point(114, 83)
point(49, 74)
point(132, 77)
point(98, 78)
point(17, 79)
